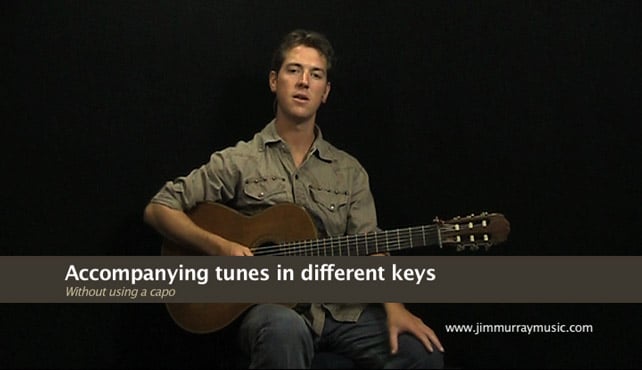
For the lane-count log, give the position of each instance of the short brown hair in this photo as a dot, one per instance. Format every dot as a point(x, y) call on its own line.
point(307, 38)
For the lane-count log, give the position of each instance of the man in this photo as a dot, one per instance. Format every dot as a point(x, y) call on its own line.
point(289, 161)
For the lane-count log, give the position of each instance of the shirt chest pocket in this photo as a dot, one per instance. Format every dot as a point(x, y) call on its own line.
point(266, 190)
point(331, 200)
point(331, 207)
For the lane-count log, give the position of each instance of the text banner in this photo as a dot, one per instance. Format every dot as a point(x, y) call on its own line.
point(443, 279)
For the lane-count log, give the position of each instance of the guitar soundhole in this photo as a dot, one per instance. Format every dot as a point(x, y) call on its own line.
point(267, 248)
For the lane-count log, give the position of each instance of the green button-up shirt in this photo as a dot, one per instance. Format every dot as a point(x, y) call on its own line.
point(251, 176)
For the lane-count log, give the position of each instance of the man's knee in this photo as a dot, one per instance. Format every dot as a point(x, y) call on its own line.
point(413, 354)
point(276, 321)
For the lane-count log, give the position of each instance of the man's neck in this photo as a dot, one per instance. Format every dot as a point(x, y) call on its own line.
point(298, 135)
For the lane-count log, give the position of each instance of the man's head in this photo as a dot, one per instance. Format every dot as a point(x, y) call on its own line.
point(307, 38)
point(299, 75)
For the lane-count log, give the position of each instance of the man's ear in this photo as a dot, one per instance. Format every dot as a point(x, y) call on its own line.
point(326, 93)
point(272, 80)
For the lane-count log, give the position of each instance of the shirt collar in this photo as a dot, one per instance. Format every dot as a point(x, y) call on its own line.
point(320, 147)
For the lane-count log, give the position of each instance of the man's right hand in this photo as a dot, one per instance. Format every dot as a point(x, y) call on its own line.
point(230, 248)
point(176, 226)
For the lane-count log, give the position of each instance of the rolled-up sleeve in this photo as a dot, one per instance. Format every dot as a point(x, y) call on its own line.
point(363, 216)
point(214, 181)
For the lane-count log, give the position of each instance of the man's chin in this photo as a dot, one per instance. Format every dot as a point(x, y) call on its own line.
point(299, 117)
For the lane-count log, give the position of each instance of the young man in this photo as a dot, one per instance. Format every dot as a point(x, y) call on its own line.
point(289, 161)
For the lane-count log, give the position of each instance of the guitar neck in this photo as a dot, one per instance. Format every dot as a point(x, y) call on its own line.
point(358, 244)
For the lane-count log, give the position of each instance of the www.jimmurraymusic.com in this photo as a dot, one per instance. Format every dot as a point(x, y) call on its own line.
point(481, 328)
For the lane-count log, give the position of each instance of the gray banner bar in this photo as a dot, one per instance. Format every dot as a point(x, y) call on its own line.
point(451, 279)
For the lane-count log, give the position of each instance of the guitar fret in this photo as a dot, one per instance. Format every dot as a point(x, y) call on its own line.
point(355, 252)
point(417, 238)
point(366, 243)
point(355, 246)
point(398, 240)
point(347, 249)
point(348, 244)
point(356, 243)
point(376, 242)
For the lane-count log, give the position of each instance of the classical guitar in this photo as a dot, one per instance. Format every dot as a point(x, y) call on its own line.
point(288, 230)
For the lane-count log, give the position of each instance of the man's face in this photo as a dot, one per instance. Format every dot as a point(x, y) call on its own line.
point(301, 85)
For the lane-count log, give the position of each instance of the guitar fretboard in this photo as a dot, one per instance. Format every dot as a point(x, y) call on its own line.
point(358, 244)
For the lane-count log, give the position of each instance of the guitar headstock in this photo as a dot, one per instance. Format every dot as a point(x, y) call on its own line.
point(474, 231)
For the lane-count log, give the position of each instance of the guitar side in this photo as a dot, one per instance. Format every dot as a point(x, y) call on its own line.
point(280, 223)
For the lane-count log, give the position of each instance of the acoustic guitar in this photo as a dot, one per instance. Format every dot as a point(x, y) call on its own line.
point(288, 230)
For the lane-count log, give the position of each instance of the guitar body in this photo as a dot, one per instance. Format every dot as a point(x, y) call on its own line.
point(280, 223)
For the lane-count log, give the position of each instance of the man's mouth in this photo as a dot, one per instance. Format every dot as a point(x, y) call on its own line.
point(301, 97)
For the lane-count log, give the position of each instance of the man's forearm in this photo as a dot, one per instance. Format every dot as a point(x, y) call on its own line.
point(177, 226)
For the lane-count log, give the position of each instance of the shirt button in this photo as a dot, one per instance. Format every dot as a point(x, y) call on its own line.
point(332, 207)
point(261, 194)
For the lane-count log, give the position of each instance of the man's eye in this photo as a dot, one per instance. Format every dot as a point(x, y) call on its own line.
point(317, 75)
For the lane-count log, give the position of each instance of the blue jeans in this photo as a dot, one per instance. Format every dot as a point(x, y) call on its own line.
point(274, 336)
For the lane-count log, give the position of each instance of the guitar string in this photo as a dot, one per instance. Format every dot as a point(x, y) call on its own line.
point(340, 248)
point(338, 241)
point(414, 236)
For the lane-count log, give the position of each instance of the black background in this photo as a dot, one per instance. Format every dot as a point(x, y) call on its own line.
point(527, 108)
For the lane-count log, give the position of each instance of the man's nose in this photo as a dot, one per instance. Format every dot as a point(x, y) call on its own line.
point(304, 80)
